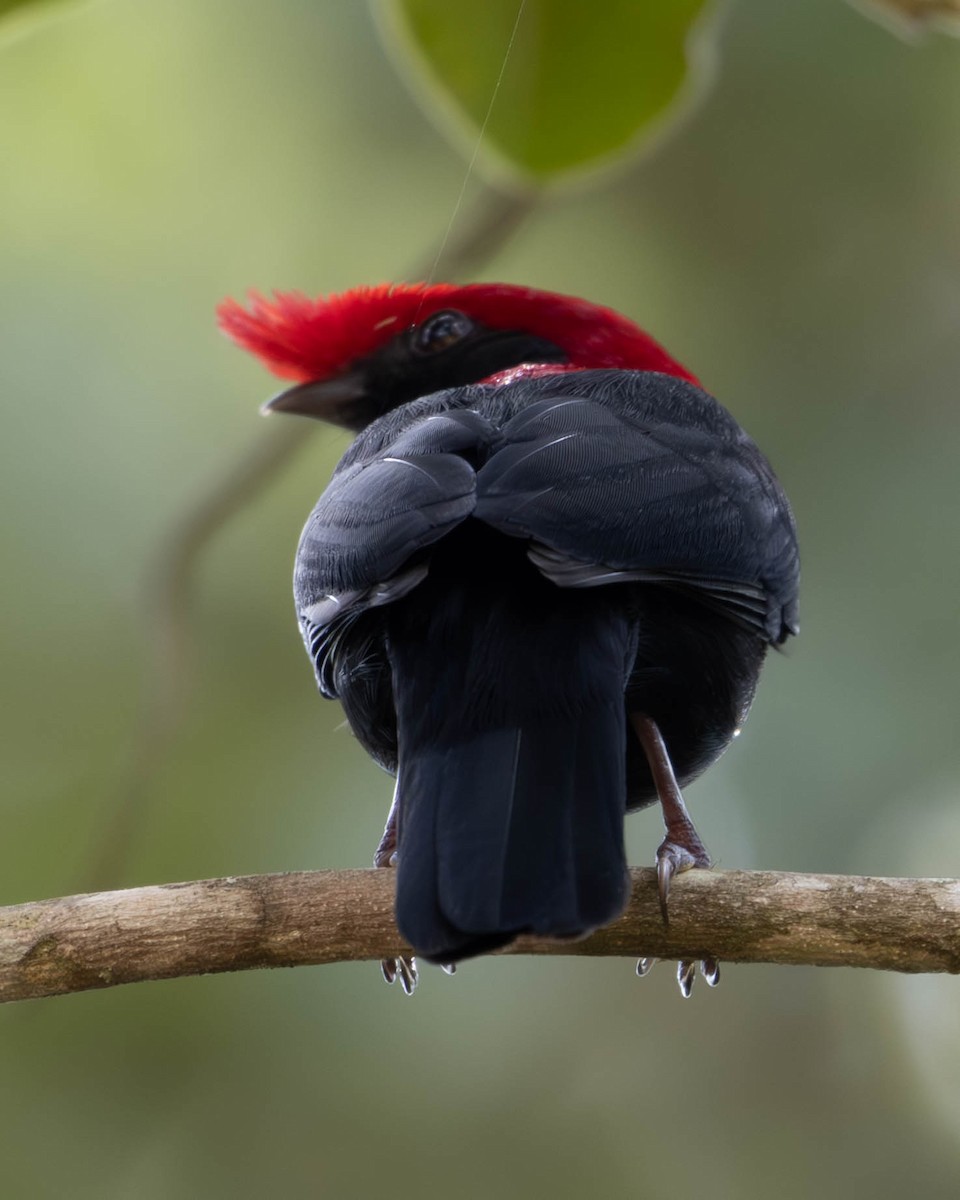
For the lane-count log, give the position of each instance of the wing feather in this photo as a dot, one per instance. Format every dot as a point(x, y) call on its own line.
point(610, 491)
point(364, 543)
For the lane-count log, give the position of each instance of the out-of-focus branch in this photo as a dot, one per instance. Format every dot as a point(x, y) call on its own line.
point(912, 18)
point(93, 941)
point(476, 240)
point(168, 597)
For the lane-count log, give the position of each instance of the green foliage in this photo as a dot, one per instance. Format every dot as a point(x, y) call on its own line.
point(797, 244)
point(582, 85)
point(20, 16)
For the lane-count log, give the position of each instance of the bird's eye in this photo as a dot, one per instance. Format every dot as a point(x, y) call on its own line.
point(442, 330)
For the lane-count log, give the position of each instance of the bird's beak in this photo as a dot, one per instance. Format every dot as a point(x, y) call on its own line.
point(334, 400)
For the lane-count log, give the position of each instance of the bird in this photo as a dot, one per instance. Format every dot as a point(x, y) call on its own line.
point(542, 582)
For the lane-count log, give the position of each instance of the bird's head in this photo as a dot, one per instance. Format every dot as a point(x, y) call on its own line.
point(357, 355)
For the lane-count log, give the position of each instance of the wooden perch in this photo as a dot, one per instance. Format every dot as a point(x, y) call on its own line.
point(92, 941)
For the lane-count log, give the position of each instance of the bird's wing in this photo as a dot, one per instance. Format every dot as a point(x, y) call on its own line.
point(609, 490)
point(361, 546)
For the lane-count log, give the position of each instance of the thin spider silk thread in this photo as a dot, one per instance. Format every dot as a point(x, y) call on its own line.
point(476, 150)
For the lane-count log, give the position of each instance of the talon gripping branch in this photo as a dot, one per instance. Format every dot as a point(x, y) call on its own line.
point(542, 583)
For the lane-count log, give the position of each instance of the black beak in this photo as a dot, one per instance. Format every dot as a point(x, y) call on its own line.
point(334, 400)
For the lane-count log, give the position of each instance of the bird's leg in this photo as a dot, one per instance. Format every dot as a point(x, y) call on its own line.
point(680, 850)
point(385, 854)
point(403, 968)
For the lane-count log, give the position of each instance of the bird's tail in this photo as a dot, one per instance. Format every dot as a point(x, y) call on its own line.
point(511, 793)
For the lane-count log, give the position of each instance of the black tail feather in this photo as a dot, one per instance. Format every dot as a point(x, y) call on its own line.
point(511, 731)
point(516, 830)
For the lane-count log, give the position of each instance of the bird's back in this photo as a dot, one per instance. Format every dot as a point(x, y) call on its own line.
point(496, 579)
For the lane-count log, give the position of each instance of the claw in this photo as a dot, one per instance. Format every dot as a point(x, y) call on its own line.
point(673, 857)
point(686, 974)
point(665, 872)
point(448, 968)
point(409, 976)
point(404, 969)
point(710, 970)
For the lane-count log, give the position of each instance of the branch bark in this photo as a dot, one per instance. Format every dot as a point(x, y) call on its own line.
point(75, 943)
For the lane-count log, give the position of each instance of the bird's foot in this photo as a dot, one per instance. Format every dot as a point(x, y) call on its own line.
point(404, 967)
point(686, 972)
point(680, 850)
point(385, 857)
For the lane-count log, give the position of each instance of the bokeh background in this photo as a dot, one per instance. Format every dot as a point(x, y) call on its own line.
point(797, 243)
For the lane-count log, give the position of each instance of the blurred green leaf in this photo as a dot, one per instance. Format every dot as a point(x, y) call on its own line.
point(581, 86)
point(20, 16)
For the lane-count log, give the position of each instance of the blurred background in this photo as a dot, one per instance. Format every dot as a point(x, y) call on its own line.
point(797, 244)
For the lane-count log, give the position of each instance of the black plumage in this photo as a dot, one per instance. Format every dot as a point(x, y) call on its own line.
point(499, 583)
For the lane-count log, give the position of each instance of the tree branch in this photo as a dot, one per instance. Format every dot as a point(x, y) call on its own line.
point(105, 938)
point(477, 239)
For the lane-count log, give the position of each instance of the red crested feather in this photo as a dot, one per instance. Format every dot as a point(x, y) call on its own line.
point(302, 339)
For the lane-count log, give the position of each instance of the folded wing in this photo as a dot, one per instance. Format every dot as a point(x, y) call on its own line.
point(364, 543)
point(608, 488)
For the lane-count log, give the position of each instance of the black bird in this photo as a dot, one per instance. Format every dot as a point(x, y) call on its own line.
point(542, 583)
